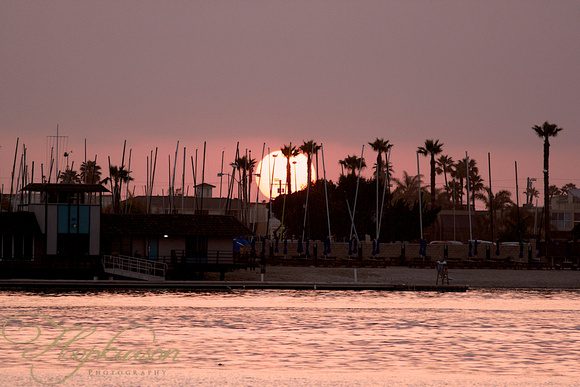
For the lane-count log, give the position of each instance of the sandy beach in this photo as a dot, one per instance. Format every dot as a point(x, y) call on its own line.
point(474, 278)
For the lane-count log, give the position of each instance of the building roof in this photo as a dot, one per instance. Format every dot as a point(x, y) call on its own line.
point(159, 224)
point(64, 187)
point(203, 185)
point(18, 223)
point(190, 202)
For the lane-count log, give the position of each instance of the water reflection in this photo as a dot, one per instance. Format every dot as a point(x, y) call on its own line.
point(296, 337)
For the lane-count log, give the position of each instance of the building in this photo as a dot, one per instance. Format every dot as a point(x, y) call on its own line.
point(55, 234)
point(565, 210)
point(188, 244)
point(253, 215)
point(60, 232)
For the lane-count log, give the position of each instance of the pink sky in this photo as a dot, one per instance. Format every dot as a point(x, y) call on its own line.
point(475, 75)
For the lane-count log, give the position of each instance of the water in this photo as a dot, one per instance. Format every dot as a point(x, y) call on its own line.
point(290, 338)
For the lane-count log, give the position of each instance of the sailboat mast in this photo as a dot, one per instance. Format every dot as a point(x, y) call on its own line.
point(326, 193)
point(172, 205)
point(127, 194)
point(420, 200)
point(183, 184)
point(468, 205)
point(352, 226)
point(259, 180)
point(490, 195)
point(202, 177)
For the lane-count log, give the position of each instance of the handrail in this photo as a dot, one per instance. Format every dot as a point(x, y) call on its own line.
point(135, 265)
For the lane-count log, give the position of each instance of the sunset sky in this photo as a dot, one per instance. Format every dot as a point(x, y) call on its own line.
point(476, 75)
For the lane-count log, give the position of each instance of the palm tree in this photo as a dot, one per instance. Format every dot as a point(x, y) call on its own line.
point(553, 191)
point(380, 146)
point(500, 203)
point(546, 131)
point(567, 187)
point(308, 149)
point(531, 193)
point(352, 163)
point(251, 167)
point(90, 172)
point(407, 188)
point(69, 176)
point(431, 148)
point(289, 151)
point(475, 187)
point(246, 166)
point(444, 165)
point(460, 173)
point(316, 150)
point(475, 181)
point(117, 176)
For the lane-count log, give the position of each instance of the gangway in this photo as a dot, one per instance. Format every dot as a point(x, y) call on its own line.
point(134, 267)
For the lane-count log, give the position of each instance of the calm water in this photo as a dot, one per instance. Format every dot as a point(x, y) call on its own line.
point(253, 338)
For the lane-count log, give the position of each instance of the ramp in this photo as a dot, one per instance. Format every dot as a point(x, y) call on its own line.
point(133, 267)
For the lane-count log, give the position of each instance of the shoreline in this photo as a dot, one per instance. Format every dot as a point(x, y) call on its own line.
point(293, 277)
point(401, 275)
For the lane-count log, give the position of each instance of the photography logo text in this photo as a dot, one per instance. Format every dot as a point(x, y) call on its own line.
point(73, 347)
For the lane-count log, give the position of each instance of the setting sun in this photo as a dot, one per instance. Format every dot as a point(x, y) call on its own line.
point(273, 169)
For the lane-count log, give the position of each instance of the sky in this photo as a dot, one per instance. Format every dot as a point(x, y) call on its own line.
point(475, 75)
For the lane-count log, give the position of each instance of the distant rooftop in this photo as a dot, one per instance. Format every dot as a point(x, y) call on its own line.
point(141, 224)
point(64, 187)
point(574, 192)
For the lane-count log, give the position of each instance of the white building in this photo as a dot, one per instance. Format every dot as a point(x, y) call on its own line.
point(565, 210)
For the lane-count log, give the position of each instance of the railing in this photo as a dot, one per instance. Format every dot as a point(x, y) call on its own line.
point(134, 267)
point(211, 257)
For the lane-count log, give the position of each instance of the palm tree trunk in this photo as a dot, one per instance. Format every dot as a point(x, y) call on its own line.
point(288, 176)
point(445, 177)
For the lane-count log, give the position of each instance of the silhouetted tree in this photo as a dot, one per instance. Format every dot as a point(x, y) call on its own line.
point(90, 172)
point(308, 149)
point(546, 131)
point(117, 176)
point(289, 151)
point(431, 149)
point(69, 176)
point(352, 164)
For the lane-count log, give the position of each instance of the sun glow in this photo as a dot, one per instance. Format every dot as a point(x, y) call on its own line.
point(273, 170)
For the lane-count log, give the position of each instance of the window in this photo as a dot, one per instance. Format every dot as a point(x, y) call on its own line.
point(562, 220)
point(73, 219)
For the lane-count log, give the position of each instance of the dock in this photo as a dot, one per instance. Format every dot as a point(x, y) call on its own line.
point(92, 285)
